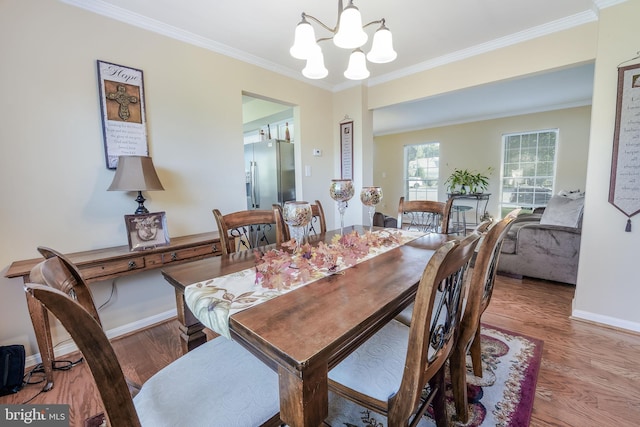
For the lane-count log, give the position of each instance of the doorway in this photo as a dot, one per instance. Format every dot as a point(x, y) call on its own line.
point(269, 159)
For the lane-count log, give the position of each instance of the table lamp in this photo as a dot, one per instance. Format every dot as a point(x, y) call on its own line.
point(136, 173)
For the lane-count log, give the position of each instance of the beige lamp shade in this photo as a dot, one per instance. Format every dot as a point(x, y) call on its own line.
point(135, 173)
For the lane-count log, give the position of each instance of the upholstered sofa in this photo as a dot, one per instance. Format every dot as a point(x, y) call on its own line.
point(546, 243)
point(382, 220)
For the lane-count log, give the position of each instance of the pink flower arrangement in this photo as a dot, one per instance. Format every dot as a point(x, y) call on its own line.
point(283, 269)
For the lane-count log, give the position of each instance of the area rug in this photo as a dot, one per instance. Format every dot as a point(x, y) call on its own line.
point(502, 397)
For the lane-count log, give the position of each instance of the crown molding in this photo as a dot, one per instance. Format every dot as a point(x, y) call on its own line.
point(110, 11)
point(511, 39)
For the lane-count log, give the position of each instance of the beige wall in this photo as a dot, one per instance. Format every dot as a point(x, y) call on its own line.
point(53, 177)
point(478, 146)
point(561, 49)
point(608, 290)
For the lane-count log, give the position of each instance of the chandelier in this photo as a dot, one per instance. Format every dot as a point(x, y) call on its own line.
point(347, 34)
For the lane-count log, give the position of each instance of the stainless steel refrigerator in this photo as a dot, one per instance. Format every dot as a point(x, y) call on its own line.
point(270, 173)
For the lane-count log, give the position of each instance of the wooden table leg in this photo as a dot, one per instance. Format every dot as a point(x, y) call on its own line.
point(304, 399)
point(40, 320)
point(191, 330)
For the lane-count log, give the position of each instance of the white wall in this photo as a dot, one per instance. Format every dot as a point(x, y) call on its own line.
point(53, 178)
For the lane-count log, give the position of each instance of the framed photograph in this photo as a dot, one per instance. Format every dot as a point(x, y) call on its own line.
point(624, 190)
point(346, 150)
point(147, 231)
point(124, 124)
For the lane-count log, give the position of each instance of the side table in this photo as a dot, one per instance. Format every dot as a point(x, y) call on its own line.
point(111, 263)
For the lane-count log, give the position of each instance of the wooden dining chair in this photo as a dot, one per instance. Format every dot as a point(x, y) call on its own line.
point(217, 384)
point(58, 272)
point(406, 314)
point(481, 280)
point(248, 229)
point(389, 371)
point(424, 215)
point(317, 226)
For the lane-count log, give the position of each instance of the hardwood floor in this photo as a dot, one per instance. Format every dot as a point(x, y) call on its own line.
point(590, 375)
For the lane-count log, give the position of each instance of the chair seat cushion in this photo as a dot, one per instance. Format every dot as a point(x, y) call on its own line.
point(376, 367)
point(217, 384)
point(405, 315)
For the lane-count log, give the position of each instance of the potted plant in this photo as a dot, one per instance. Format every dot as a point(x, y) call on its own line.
point(464, 181)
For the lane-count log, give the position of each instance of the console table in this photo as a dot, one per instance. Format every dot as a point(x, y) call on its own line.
point(111, 263)
point(481, 201)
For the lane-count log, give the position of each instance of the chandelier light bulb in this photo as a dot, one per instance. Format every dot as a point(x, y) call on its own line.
point(350, 33)
point(357, 69)
point(304, 42)
point(382, 46)
point(315, 68)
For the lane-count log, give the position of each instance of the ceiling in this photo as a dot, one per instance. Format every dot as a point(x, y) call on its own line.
point(425, 34)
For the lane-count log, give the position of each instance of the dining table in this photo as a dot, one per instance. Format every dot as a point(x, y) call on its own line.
point(303, 333)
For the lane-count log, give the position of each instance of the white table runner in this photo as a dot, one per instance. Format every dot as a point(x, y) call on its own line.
point(213, 301)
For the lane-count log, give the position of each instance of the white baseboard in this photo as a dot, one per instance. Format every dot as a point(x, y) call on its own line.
point(111, 333)
point(605, 320)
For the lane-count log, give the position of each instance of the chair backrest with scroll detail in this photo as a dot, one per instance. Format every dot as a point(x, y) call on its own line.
point(399, 391)
point(436, 316)
point(248, 229)
point(424, 215)
point(244, 385)
point(481, 281)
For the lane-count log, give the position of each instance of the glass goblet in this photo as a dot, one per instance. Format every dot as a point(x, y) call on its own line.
point(370, 197)
point(297, 215)
point(341, 190)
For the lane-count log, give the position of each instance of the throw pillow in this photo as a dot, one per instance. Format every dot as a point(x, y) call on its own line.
point(563, 211)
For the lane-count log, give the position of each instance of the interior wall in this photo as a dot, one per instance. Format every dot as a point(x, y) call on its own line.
point(478, 146)
point(553, 51)
point(607, 290)
point(53, 177)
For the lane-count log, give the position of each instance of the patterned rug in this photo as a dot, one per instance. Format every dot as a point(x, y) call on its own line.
point(502, 397)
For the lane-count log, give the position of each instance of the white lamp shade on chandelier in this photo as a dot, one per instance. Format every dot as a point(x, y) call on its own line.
point(357, 69)
point(304, 43)
point(350, 34)
point(347, 34)
point(382, 47)
point(315, 68)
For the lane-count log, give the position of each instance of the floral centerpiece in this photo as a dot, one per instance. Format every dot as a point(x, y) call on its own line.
point(282, 269)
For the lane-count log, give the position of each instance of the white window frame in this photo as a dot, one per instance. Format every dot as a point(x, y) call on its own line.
point(417, 188)
point(533, 190)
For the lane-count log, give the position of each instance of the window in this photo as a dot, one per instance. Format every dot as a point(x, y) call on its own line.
point(421, 171)
point(528, 169)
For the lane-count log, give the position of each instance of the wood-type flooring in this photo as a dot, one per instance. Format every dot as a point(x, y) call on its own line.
point(590, 374)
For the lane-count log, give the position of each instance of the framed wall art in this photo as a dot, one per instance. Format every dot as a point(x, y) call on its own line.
point(124, 125)
point(346, 149)
point(624, 185)
point(147, 231)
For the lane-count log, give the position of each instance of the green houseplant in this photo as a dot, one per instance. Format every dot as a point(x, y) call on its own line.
point(463, 181)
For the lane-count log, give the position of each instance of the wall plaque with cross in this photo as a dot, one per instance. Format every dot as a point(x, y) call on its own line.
point(123, 112)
